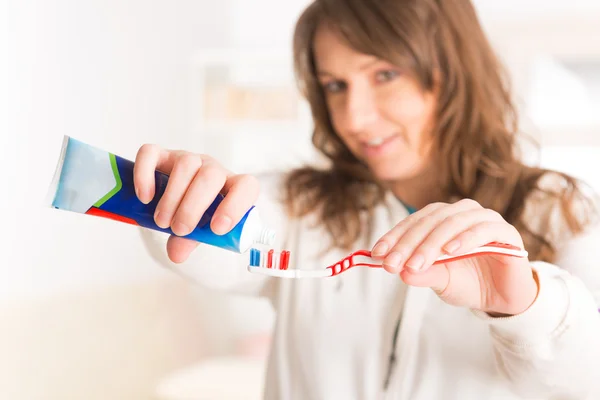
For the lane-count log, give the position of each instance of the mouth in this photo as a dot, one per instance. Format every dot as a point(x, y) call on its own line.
point(377, 146)
point(375, 142)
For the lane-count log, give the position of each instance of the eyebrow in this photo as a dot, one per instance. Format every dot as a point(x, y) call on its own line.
point(362, 67)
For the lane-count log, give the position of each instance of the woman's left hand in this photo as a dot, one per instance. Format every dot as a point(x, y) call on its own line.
point(496, 284)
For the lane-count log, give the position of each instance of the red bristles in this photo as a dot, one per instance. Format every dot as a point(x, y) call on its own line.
point(284, 259)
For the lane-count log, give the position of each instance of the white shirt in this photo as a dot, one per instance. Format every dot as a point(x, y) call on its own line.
point(333, 336)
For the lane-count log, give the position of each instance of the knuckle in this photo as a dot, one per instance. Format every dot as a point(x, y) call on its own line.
point(208, 159)
point(398, 248)
point(389, 239)
point(434, 206)
point(410, 219)
point(397, 229)
point(469, 234)
point(495, 215)
point(427, 250)
point(428, 220)
point(148, 148)
point(479, 229)
point(214, 174)
point(454, 219)
point(515, 231)
point(189, 162)
point(249, 181)
point(470, 203)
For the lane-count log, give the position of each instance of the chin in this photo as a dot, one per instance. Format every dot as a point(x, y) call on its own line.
point(386, 174)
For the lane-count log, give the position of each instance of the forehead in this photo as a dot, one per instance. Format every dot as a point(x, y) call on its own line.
point(333, 54)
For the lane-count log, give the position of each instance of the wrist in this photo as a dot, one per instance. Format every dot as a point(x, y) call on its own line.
point(546, 314)
point(530, 294)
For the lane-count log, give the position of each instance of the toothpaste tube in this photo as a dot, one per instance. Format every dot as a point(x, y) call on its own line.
point(92, 181)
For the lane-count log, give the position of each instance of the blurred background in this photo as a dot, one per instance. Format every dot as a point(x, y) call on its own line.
point(85, 311)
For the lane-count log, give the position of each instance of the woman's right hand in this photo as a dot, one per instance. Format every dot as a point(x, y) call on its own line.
point(194, 182)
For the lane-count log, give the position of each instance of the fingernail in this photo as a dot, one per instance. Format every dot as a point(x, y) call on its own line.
point(142, 195)
point(180, 229)
point(162, 219)
point(393, 260)
point(415, 262)
point(452, 246)
point(221, 224)
point(380, 249)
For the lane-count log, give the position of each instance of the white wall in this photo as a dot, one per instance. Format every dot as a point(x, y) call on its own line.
point(265, 23)
point(115, 74)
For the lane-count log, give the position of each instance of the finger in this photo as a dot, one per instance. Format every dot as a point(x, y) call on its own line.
point(184, 170)
point(385, 246)
point(405, 244)
point(146, 160)
point(440, 239)
point(436, 278)
point(197, 197)
point(179, 249)
point(387, 241)
point(241, 193)
point(484, 233)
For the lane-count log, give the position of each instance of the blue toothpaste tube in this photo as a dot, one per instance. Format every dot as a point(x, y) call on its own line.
point(92, 181)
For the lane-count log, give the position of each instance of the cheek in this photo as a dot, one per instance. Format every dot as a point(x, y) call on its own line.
point(338, 121)
point(409, 110)
point(414, 112)
point(334, 110)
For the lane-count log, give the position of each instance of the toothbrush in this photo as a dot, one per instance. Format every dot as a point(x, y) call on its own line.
point(276, 264)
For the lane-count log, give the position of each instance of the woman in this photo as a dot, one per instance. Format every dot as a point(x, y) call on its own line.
point(412, 109)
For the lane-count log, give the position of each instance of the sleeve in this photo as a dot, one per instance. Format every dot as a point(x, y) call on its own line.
point(220, 269)
point(552, 350)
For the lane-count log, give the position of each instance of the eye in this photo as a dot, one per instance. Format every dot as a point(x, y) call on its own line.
point(334, 86)
point(386, 75)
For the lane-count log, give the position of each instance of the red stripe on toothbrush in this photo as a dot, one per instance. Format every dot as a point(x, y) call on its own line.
point(283, 263)
point(287, 259)
point(270, 259)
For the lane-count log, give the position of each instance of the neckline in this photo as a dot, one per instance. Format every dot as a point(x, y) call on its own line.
point(410, 209)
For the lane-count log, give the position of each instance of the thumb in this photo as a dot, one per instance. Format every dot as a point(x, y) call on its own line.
point(179, 249)
point(436, 277)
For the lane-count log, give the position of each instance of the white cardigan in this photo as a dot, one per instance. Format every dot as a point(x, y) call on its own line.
point(333, 337)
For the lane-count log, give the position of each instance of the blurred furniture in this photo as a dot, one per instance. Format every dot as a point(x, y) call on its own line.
point(248, 111)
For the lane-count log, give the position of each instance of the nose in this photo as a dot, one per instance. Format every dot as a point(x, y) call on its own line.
point(361, 110)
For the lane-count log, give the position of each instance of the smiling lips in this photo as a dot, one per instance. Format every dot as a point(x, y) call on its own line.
point(375, 142)
point(376, 146)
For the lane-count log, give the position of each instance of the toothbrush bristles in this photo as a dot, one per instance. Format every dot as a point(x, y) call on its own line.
point(284, 260)
point(270, 259)
point(273, 260)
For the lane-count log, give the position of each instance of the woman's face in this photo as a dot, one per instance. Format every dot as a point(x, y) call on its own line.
point(382, 115)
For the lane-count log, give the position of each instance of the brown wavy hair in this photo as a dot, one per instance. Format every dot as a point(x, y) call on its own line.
point(475, 131)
